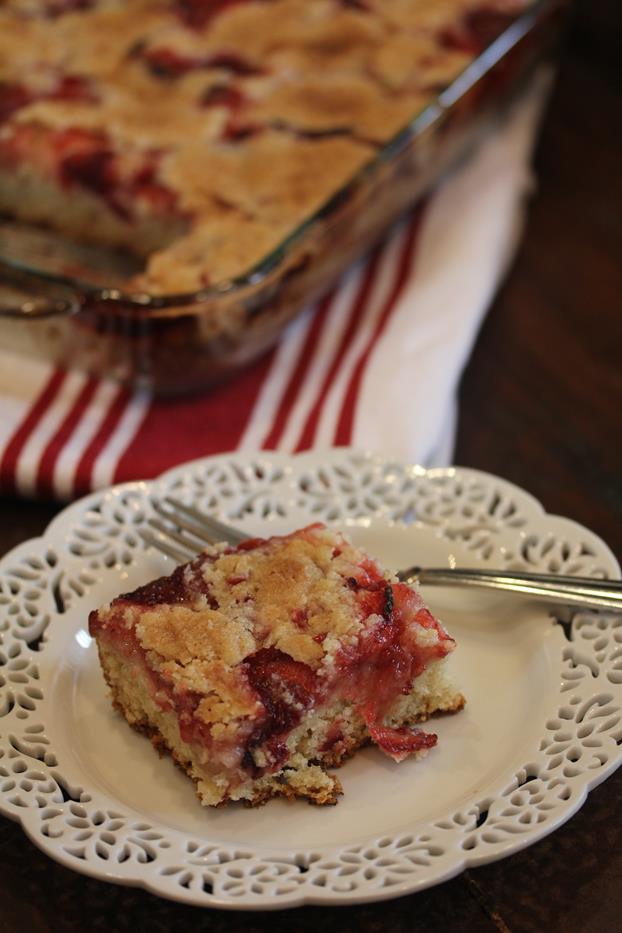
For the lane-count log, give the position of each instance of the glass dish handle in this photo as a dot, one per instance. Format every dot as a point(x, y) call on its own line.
point(22, 299)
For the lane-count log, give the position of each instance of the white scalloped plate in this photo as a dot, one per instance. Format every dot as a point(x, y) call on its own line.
point(543, 723)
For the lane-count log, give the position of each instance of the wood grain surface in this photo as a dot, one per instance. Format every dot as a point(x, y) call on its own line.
point(541, 404)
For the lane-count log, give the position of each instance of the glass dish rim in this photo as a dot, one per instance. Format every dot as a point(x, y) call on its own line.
point(432, 112)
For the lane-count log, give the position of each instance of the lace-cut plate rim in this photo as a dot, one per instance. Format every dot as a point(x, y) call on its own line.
point(542, 726)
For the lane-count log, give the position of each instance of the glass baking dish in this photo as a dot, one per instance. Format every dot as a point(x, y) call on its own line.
point(66, 302)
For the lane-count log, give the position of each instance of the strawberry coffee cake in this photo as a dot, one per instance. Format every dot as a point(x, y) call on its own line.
point(260, 667)
point(198, 134)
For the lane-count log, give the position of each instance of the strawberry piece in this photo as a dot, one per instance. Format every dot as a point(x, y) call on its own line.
point(182, 585)
point(223, 95)
point(85, 158)
point(233, 62)
point(400, 743)
point(236, 130)
point(73, 87)
point(476, 32)
point(385, 662)
point(165, 63)
point(278, 679)
point(12, 98)
point(54, 8)
point(286, 689)
point(169, 590)
point(198, 13)
point(69, 87)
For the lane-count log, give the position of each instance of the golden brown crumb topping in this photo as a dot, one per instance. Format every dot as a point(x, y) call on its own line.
point(291, 593)
point(294, 593)
point(178, 633)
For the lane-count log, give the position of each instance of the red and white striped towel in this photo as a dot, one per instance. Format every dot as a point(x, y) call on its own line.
point(374, 364)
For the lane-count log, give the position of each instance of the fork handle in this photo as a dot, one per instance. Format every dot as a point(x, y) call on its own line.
point(573, 591)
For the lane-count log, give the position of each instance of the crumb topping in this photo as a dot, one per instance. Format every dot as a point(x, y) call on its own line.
point(182, 634)
point(293, 591)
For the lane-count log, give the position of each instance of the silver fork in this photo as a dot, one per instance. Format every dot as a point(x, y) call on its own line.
point(182, 531)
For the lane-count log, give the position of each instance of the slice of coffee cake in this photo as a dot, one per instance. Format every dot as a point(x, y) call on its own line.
point(259, 667)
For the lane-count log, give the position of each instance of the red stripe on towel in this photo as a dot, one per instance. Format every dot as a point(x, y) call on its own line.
point(84, 469)
point(343, 431)
point(175, 430)
point(45, 471)
point(306, 356)
point(12, 451)
point(307, 434)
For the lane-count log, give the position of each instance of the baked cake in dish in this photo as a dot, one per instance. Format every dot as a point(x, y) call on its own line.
point(260, 667)
point(200, 133)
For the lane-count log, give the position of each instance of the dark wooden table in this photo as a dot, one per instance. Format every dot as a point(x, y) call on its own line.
point(541, 404)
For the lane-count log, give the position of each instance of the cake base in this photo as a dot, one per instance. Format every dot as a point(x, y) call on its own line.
point(311, 746)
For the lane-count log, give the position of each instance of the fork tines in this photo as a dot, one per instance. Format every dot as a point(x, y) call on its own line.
point(183, 531)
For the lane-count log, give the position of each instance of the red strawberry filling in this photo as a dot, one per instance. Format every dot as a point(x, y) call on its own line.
point(223, 95)
point(86, 159)
point(179, 587)
point(477, 30)
point(386, 661)
point(68, 87)
point(236, 130)
point(399, 743)
point(286, 688)
point(54, 8)
point(12, 98)
point(198, 13)
point(358, 5)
